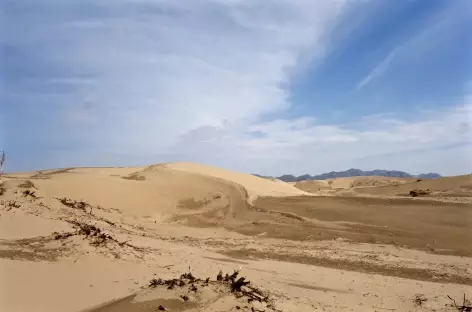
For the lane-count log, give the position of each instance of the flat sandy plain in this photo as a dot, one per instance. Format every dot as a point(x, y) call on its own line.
point(92, 239)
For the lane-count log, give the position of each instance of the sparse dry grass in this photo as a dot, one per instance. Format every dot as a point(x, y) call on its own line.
point(134, 176)
point(27, 184)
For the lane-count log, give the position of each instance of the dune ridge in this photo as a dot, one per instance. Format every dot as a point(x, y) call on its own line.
point(255, 186)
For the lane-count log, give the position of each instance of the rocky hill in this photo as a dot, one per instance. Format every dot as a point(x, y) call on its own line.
point(357, 173)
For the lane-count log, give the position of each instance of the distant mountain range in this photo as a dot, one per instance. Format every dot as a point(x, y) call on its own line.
point(355, 173)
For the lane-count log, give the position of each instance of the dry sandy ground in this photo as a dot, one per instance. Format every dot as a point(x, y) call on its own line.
point(344, 185)
point(92, 239)
point(459, 186)
point(453, 189)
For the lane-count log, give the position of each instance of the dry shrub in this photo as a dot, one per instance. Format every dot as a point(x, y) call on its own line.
point(27, 184)
point(134, 176)
point(240, 287)
point(416, 193)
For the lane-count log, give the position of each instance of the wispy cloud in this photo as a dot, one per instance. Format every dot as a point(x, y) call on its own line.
point(417, 42)
point(196, 63)
point(377, 71)
point(303, 145)
point(151, 71)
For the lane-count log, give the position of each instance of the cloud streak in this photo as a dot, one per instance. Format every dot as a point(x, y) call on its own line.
point(377, 71)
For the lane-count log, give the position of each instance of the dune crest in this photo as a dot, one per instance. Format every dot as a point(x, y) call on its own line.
point(255, 186)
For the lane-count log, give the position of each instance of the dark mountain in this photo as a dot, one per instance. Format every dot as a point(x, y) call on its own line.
point(431, 175)
point(305, 177)
point(358, 173)
point(288, 178)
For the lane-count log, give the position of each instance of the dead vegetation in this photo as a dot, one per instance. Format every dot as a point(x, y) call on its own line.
point(465, 307)
point(84, 206)
point(134, 176)
point(419, 299)
point(238, 286)
point(27, 184)
point(2, 189)
point(29, 194)
point(416, 193)
point(96, 237)
point(43, 248)
point(80, 205)
point(12, 204)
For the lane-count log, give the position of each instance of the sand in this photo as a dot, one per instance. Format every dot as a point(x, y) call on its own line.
point(458, 188)
point(349, 245)
point(345, 185)
point(255, 186)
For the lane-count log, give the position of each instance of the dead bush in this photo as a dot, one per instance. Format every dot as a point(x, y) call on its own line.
point(240, 287)
point(27, 184)
point(465, 307)
point(134, 176)
point(29, 193)
point(416, 193)
point(80, 205)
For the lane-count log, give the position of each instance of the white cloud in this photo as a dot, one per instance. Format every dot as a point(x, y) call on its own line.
point(141, 74)
point(305, 146)
point(163, 68)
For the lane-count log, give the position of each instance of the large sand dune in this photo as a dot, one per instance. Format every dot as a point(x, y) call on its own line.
point(92, 238)
point(154, 189)
point(255, 186)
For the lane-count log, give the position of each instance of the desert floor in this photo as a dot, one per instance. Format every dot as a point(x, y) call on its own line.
point(155, 238)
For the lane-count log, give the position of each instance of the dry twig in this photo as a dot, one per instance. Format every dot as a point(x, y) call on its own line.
point(419, 299)
point(465, 307)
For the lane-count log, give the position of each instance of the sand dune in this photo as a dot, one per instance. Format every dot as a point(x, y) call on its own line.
point(91, 239)
point(153, 189)
point(181, 192)
point(255, 186)
point(313, 186)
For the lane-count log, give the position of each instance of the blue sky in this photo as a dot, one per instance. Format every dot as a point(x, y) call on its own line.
point(270, 87)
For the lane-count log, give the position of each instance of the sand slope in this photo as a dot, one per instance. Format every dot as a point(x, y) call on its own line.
point(255, 186)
